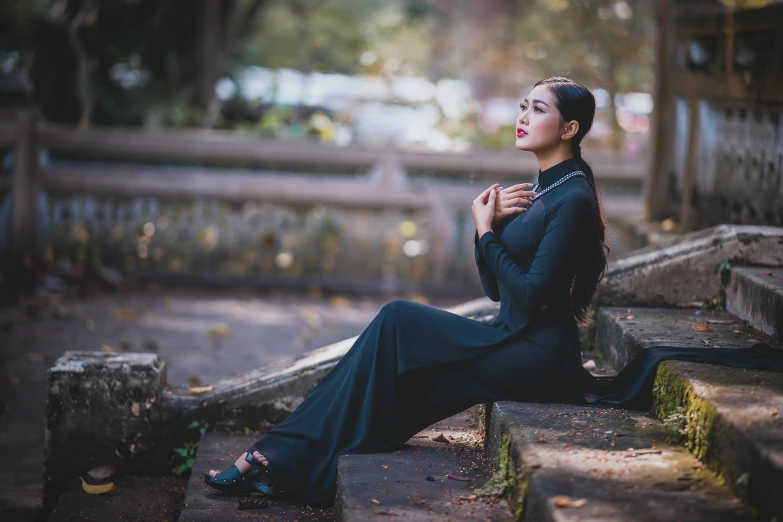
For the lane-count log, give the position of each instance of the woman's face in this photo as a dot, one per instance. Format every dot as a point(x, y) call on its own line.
point(538, 123)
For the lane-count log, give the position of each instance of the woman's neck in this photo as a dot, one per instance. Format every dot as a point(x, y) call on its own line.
point(551, 158)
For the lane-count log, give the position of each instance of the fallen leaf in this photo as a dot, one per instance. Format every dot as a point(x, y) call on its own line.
point(460, 479)
point(219, 330)
point(701, 328)
point(773, 412)
point(542, 440)
point(124, 314)
point(767, 273)
point(198, 390)
point(564, 501)
point(102, 472)
point(34, 357)
point(384, 512)
point(253, 503)
point(340, 302)
point(441, 438)
point(625, 318)
point(375, 501)
point(720, 321)
point(97, 490)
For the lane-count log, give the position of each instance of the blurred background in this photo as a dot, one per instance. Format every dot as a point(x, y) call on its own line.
point(319, 145)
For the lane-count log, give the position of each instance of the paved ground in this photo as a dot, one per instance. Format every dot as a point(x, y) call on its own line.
point(204, 337)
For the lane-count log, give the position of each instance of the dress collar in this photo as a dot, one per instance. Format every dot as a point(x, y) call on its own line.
point(555, 172)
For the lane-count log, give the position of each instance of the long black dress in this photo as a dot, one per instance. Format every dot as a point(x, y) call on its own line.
point(416, 364)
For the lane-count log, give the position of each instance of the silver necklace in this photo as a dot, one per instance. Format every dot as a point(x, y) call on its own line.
point(556, 183)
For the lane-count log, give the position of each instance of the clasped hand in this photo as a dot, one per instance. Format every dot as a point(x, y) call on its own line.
point(495, 203)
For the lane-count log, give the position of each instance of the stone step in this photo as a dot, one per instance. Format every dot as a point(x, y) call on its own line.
point(730, 418)
point(569, 463)
point(427, 480)
point(134, 498)
point(202, 503)
point(755, 294)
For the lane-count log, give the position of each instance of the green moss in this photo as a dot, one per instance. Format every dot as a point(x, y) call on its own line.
point(507, 480)
point(675, 401)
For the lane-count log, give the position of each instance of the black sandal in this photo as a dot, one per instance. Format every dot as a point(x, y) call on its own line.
point(233, 482)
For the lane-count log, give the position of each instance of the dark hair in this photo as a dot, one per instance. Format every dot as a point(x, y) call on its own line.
point(576, 102)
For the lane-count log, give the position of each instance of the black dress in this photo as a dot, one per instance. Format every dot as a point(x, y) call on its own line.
point(416, 364)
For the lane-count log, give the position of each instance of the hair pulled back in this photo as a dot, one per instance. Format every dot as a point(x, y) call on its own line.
point(575, 102)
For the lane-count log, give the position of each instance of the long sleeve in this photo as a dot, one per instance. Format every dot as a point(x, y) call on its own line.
point(568, 226)
point(488, 279)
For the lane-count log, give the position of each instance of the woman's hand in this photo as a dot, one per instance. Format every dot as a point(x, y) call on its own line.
point(508, 198)
point(484, 209)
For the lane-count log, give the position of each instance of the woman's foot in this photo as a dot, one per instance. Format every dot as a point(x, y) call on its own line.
point(243, 465)
point(247, 474)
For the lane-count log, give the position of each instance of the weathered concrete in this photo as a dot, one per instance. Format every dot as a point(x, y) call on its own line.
point(624, 333)
point(134, 498)
point(140, 422)
point(683, 272)
point(205, 504)
point(103, 409)
point(610, 465)
point(414, 482)
point(755, 294)
point(730, 417)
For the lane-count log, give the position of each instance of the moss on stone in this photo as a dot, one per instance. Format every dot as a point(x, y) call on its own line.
point(673, 396)
point(507, 481)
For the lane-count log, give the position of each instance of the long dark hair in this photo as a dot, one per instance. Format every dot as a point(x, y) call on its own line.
point(576, 102)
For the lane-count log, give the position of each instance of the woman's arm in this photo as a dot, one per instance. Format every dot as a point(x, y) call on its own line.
point(488, 279)
point(567, 228)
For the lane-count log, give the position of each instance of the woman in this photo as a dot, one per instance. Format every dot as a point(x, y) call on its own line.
point(541, 254)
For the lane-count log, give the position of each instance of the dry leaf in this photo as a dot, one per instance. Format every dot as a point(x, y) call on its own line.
point(252, 503)
point(625, 318)
point(703, 328)
point(219, 330)
point(767, 273)
point(124, 314)
point(542, 440)
point(102, 472)
point(720, 321)
point(97, 490)
point(460, 479)
point(198, 390)
point(34, 357)
point(773, 412)
point(340, 302)
point(384, 512)
point(564, 501)
point(375, 501)
point(441, 438)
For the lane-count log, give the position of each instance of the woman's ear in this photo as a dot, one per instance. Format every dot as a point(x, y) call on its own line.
point(571, 129)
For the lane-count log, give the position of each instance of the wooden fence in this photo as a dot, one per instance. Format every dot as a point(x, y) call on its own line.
point(231, 167)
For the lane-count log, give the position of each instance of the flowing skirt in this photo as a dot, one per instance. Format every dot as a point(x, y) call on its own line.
point(415, 365)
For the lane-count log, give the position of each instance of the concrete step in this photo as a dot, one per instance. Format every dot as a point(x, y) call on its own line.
point(428, 480)
point(755, 294)
point(202, 503)
point(730, 418)
point(569, 463)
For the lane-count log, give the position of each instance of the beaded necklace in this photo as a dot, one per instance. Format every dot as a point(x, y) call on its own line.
point(556, 183)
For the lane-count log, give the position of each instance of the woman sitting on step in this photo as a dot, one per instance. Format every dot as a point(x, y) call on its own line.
point(540, 252)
